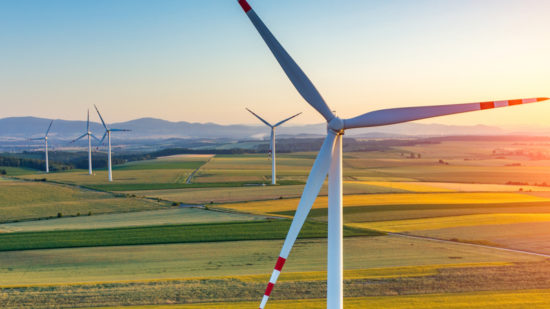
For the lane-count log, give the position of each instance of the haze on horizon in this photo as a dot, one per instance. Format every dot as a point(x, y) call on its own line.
point(202, 61)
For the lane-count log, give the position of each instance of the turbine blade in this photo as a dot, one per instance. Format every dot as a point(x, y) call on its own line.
point(103, 122)
point(283, 121)
point(404, 114)
point(48, 131)
point(95, 137)
point(298, 78)
point(36, 139)
point(120, 130)
point(261, 119)
point(313, 186)
point(88, 122)
point(103, 138)
point(81, 136)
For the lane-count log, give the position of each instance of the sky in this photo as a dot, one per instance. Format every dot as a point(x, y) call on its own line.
point(203, 61)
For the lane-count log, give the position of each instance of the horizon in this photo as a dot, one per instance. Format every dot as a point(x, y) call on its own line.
point(178, 60)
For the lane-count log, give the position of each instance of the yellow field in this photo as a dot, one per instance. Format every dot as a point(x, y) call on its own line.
point(410, 186)
point(371, 273)
point(351, 274)
point(531, 299)
point(398, 226)
point(265, 207)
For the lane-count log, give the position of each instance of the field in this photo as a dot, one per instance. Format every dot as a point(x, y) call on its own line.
point(185, 215)
point(160, 171)
point(450, 212)
point(251, 193)
point(505, 299)
point(164, 234)
point(22, 200)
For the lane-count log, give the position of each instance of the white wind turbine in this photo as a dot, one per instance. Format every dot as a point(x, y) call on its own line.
point(108, 134)
point(329, 159)
point(272, 145)
point(45, 138)
point(90, 135)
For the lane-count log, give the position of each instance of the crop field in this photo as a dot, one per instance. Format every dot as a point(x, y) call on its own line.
point(289, 205)
point(251, 193)
point(166, 170)
point(147, 253)
point(164, 234)
point(17, 171)
point(23, 200)
point(254, 168)
point(412, 225)
point(455, 187)
point(125, 176)
point(138, 218)
point(497, 300)
point(243, 258)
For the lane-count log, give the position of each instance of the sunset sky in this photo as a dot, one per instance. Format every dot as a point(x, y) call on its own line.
point(203, 61)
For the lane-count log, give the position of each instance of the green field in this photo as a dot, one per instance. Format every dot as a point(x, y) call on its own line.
point(164, 234)
point(23, 200)
point(147, 262)
point(17, 171)
point(139, 218)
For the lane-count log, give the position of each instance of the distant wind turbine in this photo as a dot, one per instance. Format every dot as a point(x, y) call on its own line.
point(108, 134)
point(45, 138)
point(90, 135)
point(272, 145)
point(329, 159)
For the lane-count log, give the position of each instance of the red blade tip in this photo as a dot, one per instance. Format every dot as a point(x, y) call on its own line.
point(542, 99)
point(246, 7)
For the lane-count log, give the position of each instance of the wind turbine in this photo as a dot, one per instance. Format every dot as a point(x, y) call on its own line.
point(45, 138)
point(329, 159)
point(108, 134)
point(90, 135)
point(272, 145)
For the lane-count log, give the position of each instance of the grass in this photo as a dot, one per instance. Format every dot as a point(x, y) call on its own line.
point(140, 218)
point(208, 232)
point(398, 226)
point(17, 171)
point(24, 200)
point(497, 300)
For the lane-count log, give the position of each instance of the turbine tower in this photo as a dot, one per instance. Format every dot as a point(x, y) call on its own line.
point(329, 159)
point(108, 134)
point(45, 138)
point(272, 145)
point(90, 136)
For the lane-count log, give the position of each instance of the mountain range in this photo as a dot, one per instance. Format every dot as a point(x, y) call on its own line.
point(21, 128)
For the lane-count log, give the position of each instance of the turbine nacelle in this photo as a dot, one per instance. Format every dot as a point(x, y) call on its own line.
point(336, 125)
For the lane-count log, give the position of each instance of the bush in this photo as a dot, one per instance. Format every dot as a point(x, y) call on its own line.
point(59, 215)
